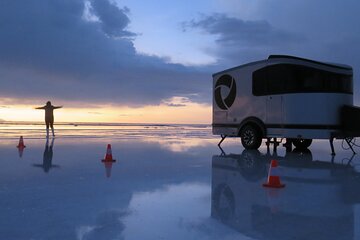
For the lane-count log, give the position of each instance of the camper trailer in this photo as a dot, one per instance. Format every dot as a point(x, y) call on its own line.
point(285, 97)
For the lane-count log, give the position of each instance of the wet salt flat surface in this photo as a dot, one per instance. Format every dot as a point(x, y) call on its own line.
point(171, 182)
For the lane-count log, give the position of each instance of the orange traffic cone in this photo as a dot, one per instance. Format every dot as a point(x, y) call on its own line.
point(108, 155)
point(273, 176)
point(21, 143)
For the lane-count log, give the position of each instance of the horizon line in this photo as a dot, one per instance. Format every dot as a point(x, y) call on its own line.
point(97, 123)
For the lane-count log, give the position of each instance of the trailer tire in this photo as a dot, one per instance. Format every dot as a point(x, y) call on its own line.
point(251, 137)
point(302, 143)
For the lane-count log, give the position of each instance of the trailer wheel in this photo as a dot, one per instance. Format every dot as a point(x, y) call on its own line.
point(302, 143)
point(251, 137)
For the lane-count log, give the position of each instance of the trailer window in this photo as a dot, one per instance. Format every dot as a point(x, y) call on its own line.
point(259, 86)
point(289, 78)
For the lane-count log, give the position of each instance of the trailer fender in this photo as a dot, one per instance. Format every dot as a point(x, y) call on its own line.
point(253, 121)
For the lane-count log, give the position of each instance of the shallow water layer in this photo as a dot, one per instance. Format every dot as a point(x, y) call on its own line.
point(172, 182)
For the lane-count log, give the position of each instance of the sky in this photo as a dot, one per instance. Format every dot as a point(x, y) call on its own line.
point(152, 61)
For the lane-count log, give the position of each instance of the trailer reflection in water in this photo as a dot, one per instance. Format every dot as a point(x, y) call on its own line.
point(318, 202)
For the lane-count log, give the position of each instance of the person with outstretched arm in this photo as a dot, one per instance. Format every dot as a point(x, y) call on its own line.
point(49, 117)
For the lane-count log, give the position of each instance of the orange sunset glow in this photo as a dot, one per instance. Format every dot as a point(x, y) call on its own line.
point(162, 113)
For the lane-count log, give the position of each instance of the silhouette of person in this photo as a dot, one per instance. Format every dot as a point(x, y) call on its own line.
point(47, 157)
point(49, 117)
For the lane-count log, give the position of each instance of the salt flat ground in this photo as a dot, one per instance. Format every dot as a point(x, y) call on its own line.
point(170, 182)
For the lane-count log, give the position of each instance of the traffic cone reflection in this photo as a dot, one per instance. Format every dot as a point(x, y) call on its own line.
point(21, 151)
point(21, 146)
point(108, 155)
point(108, 166)
point(273, 180)
point(273, 199)
point(21, 143)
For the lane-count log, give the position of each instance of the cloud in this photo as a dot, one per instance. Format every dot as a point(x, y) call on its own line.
point(113, 19)
point(109, 225)
point(238, 39)
point(82, 50)
point(176, 101)
point(49, 50)
point(233, 31)
point(175, 105)
point(96, 113)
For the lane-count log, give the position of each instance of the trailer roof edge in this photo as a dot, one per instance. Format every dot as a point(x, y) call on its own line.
point(275, 56)
point(240, 66)
point(336, 65)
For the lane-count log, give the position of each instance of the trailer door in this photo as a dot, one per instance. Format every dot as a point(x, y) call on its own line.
point(274, 114)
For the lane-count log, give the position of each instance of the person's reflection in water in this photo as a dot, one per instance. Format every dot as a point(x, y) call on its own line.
point(47, 157)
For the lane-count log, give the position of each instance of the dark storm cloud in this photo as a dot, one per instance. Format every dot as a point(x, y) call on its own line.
point(242, 40)
point(113, 19)
point(50, 51)
point(231, 31)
